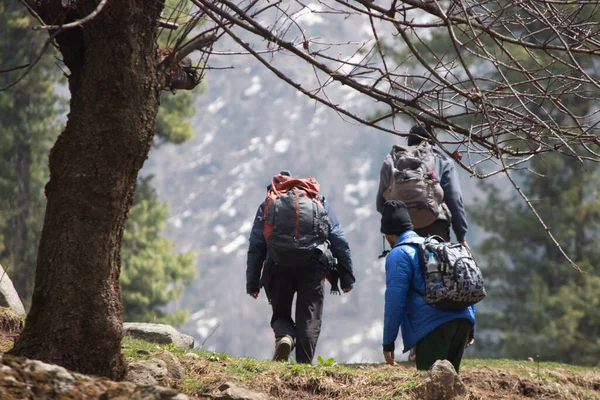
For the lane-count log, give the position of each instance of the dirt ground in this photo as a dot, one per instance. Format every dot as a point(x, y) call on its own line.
point(484, 379)
point(560, 384)
point(518, 381)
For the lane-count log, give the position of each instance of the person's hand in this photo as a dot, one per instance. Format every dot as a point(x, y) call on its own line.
point(389, 357)
point(254, 294)
point(464, 243)
point(412, 354)
point(470, 342)
point(346, 290)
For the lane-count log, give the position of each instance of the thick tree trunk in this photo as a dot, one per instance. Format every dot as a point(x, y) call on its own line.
point(76, 313)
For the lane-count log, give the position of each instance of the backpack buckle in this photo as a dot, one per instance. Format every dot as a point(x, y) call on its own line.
point(384, 254)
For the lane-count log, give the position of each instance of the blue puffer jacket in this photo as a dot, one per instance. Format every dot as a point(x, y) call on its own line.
point(405, 307)
point(258, 254)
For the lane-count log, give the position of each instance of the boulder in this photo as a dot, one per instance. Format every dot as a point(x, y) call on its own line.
point(158, 333)
point(230, 391)
point(21, 378)
point(174, 367)
point(8, 295)
point(441, 383)
point(147, 372)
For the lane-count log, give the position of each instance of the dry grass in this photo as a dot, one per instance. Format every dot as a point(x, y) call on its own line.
point(485, 379)
point(10, 323)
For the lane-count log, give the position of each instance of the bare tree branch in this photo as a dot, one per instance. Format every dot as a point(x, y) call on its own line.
point(77, 23)
point(31, 6)
point(168, 25)
point(500, 81)
point(199, 42)
point(14, 68)
point(31, 65)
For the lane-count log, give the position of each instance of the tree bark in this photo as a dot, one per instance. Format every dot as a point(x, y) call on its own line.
point(76, 312)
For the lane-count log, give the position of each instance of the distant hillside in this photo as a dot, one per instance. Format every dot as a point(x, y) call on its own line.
point(249, 125)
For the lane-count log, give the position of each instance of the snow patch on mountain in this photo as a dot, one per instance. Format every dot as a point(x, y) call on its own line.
point(254, 88)
point(310, 15)
point(282, 146)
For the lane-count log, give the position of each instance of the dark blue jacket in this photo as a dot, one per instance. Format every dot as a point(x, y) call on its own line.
point(444, 168)
point(406, 308)
point(258, 254)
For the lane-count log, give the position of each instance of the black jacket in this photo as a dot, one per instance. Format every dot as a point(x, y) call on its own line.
point(258, 254)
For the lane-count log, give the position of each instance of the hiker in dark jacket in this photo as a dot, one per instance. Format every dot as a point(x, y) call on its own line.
point(281, 283)
point(436, 334)
point(453, 210)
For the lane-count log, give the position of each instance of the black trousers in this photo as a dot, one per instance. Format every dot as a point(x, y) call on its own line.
point(308, 284)
point(440, 227)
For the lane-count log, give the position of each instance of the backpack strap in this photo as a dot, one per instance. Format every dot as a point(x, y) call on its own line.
point(439, 239)
point(416, 243)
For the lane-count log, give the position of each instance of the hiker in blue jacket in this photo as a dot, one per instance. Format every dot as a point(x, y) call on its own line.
point(282, 283)
point(453, 210)
point(437, 334)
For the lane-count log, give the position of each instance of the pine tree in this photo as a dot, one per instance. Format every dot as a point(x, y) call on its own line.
point(152, 273)
point(537, 304)
point(29, 121)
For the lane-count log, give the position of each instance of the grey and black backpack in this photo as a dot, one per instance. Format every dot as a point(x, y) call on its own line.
point(296, 225)
point(462, 281)
point(413, 181)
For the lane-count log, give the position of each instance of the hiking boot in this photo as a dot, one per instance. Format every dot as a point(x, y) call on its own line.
point(283, 348)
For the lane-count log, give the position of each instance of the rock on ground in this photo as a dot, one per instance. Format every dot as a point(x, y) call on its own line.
point(147, 372)
point(21, 379)
point(158, 333)
point(8, 295)
point(230, 391)
point(155, 371)
point(441, 383)
point(174, 367)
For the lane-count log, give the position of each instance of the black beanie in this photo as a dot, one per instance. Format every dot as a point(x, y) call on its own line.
point(394, 218)
point(418, 133)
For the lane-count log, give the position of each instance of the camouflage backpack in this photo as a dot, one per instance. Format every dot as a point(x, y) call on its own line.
point(461, 283)
point(296, 225)
point(413, 181)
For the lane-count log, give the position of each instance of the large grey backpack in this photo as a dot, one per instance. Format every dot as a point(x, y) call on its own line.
point(414, 181)
point(462, 281)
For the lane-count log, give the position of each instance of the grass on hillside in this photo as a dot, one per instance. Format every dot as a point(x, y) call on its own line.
point(486, 379)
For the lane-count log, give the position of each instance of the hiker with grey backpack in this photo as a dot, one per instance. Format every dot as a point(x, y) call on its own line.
point(297, 242)
point(426, 180)
point(432, 287)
